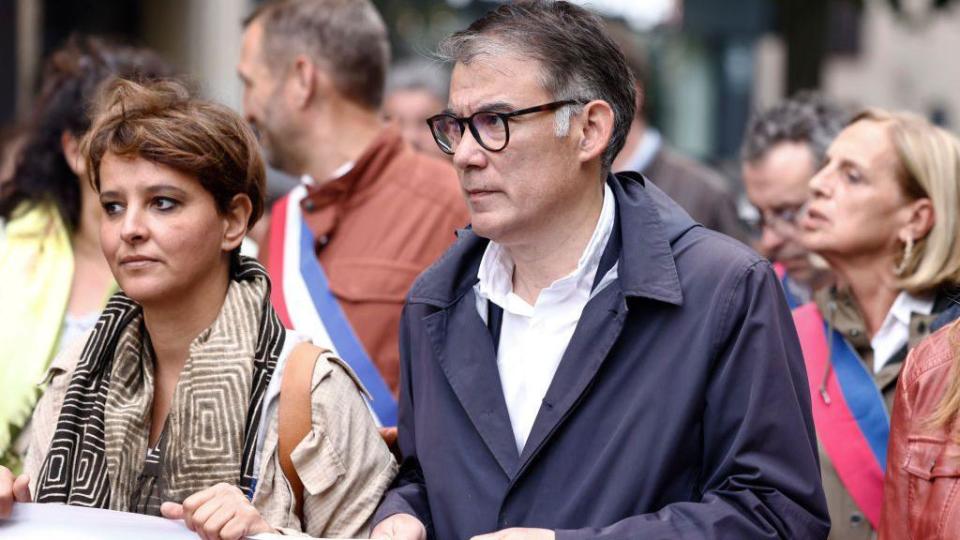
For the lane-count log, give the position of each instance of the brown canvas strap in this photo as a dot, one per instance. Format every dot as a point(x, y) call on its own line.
point(293, 417)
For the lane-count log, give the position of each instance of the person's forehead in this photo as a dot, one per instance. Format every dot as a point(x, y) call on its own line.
point(411, 99)
point(251, 51)
point(865, 142)
point(790, 164)
point(506, 79)
point(250, 42)
point(781, 176)
point(136, 171)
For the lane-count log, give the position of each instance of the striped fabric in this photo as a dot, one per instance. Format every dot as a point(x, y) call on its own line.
point(147, 496)
point(98, 446)
point(305, 302)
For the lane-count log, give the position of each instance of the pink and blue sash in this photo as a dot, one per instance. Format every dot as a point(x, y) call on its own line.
point(303, 300)
point(851, 419)
point(792, 301)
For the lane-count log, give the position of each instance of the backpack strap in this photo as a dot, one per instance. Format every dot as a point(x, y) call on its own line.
point(293, 417)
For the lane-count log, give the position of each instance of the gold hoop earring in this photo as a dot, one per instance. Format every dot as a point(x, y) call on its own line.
point(905, 261)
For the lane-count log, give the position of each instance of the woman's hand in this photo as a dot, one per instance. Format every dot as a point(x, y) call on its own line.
point(221, 512)
point(12, 489)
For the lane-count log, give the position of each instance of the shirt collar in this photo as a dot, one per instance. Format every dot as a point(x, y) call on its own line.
point(356, 178)
point(340, 172)
point(648, 222)
point(906, 304)
point(894, 333)
point(495, 273)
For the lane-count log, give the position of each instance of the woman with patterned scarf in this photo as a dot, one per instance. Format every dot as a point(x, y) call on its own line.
point(170, 407)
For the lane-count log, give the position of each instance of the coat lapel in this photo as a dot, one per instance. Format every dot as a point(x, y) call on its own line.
point(467, 358)
point(648, 220)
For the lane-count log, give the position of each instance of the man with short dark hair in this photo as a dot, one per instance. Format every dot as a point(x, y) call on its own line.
point(587, 361)
point(783, 148)
point(345, 246)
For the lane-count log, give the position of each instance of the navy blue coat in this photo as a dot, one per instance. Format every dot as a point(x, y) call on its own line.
point(680, 408)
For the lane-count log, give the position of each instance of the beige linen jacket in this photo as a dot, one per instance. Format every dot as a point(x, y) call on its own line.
point(343, 462)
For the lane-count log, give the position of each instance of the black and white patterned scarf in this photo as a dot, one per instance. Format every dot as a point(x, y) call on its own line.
point(100, 439)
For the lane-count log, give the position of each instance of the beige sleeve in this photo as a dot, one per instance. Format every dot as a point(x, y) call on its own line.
point(343, 462)
point(43, 423)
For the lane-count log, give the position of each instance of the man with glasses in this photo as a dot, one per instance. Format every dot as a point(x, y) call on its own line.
point(586, 361)
point(783, 148)
point(371, 213)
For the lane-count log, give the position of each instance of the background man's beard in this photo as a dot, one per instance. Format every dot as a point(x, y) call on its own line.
point(276, 157)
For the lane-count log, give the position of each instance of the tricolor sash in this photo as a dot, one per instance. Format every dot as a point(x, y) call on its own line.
point(851, 419)
point(303, 300)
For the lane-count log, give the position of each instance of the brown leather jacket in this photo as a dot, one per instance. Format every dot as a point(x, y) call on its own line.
point(921, 498)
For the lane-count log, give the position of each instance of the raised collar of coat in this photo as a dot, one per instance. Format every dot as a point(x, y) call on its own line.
point(363, 173)
point(649, 223)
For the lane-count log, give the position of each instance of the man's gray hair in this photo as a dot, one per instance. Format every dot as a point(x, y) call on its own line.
point(578, 60)
point(420, 74)
point(805, 118)
point(346, 37)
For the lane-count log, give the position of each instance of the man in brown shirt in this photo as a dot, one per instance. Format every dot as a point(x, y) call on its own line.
point(380, 213)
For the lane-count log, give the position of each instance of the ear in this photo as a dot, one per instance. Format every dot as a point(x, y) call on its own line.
point(595, 130)
point(235, 221)
point(920, 219)
point(71, 153)
point(303, 76)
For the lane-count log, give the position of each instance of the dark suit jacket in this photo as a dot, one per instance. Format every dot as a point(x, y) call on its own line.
point(699, 190)
point(680, 408)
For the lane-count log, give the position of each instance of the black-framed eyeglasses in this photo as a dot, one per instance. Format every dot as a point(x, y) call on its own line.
point(490, 129)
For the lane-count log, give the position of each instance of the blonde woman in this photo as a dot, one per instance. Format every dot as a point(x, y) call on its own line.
point(883, 213)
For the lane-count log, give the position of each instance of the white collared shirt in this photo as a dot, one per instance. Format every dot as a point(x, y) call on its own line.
point(534, 338)
point(340, 172)
point(894, 333)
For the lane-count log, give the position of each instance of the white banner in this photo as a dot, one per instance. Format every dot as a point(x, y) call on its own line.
point(31, 521)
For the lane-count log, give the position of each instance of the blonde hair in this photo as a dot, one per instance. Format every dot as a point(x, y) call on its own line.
point(948, 408)
point(929, 166)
